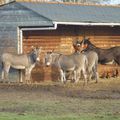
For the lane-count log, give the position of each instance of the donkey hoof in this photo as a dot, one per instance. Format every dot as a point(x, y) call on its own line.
point(65, 82)
point(72, 81)
point(96, 82)
point(85, 84)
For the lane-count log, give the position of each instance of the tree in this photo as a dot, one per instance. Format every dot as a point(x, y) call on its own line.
point(93, 1)
point(85, 1)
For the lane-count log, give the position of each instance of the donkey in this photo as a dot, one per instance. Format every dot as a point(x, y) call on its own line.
point(20, 61)
point(92, 60)
point(105, 56)
point(75, 63)
point(92, 65)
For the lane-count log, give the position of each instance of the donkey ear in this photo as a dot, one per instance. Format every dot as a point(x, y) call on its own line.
point(75, 41)
point(40, 48)
point(51, 51)
point(33, 48)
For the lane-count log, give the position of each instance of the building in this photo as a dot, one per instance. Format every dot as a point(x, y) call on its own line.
point(55, 26)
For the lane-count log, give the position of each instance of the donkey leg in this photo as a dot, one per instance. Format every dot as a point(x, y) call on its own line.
point(77, 75)
point(85, 77)
point(73, 76)
point(30, 70)
point(95, 74)
point(3, 75)
point(97, 77)
point(64, 77)
point(61, 75)
point(26, 76)
point(3, 72)
point(6, 72)
point(89, 73)
point(29, 76)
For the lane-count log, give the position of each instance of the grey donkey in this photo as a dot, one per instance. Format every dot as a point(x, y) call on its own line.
point(92, 58)
point(20, 61)
point(66, 63)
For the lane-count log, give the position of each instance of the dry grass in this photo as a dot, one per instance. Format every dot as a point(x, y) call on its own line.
point(55, 101)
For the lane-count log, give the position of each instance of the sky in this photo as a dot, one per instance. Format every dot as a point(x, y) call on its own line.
point(115, 2)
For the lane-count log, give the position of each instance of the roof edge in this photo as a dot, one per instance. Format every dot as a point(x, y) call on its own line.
point(87, 23)
point(70, 23)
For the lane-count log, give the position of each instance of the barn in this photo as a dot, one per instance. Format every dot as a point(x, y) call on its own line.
point(54, 26)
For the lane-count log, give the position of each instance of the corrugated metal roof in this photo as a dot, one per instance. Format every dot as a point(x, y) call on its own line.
point(75, 13)
point(18, 15)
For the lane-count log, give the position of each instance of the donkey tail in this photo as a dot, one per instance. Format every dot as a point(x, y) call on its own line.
point(2, 67)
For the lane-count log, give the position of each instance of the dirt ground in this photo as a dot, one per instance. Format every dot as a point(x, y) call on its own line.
point(106, 88)
point(13, 94)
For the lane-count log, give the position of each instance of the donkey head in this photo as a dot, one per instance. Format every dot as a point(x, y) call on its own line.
point(86, 41)
point(36, 53)
point(51, 58)
point(48, 58)
point(77, 45)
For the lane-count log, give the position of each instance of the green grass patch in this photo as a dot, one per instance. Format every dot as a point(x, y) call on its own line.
point(13, 116)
